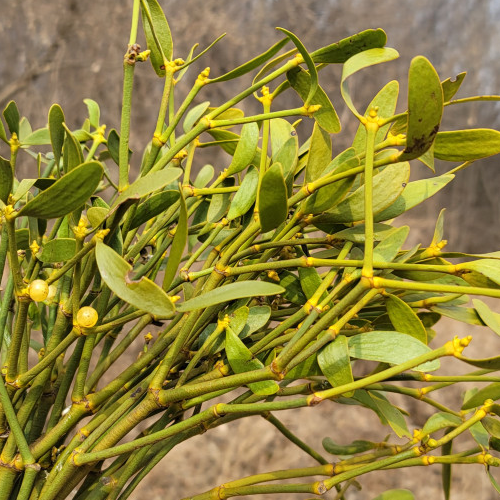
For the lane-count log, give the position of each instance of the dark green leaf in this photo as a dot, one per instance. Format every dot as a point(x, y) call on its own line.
point(12, 117)
point(326, 116)
point(6, 179)
point(56, 131)
point(3, 135)
point(72, 151)
point(245, 196)
point(320, 153)
point(425, 108)
point(341, 51)
point(71, 191)
point(241, 361)
point(487, 363)
point(178, 244)
point(465, 145)
point(404, 318)
point(143, 294)
point(390, 347)
point(228, 141)
point(154, 206)
point(357, 446)
point(335, 364)
point(252, 64)
point(23, 238)
point(492, 425)
point(114, 145)
point(258, 316)
point(273, 200)
point(58, 250)
point(97, 215)
point(230, 292)
point(356, 234)
point(205, 175)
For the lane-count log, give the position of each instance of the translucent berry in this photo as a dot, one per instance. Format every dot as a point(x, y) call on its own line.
point(38, 290)
point(87, 317)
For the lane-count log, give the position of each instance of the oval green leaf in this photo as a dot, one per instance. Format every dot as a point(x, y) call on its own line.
point(273, 199)
point(404, 318)
point(246, 148)
point(58, 250)
point(335, 363)
point(467, 145)
point(245, 196)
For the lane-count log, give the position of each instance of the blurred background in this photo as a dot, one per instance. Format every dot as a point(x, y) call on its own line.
point(66, 50)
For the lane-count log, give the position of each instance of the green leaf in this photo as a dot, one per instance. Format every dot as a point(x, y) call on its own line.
point(326, 116)
point(320, 153)
point(71, 191)
point(488, 267)
point(205, 175)
point(178, 244)
point(440, 421)
point(356, 234)
point(24, 129)
point(358, 446)
point(480, 435)
point(387, 186)
point(158, 36)
point(238, 319)
point(450, 87)
point(492, 425)
point(425, 108)
point(358, 62)
point(230, 292)
point(94, 112)
point(241, 361)
point(273, 199)
point(220, 202)
point(466, 145)
point(463, 314)
point(313, 74)
point(487, 363)
point(148, 184)
point(390, 347)
point(309, 281)
point(335, 363)
point(385, 101)
point(252, 64)
point(228, 141)
point(328, 196)
point(194, 115)
point(439, 229)
point(493, 481)
point(245, 196)
point(154, 206)
point(413, 194)
point(143, 294)
point(281, 131)
point(395, 495)
point(393, 416)
point(258, 316)
point(491, 391)
point(97, 215)
point(491, 318)
point(12, 117)
point(341, 51)
point(72, 151)
point(404, 318)
point(58, 250)
point(3, 135)
point(246, 148)
point(114, 145)
point(6, 179)
point(39, 137)
point(23, 238)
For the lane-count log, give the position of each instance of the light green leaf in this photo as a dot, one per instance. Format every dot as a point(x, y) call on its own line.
point(395, 495)
point(480, 435)
point(39, 137)
point(228, 141)
point(71, 191)
point(273, 200)
point(252, 64)
point(58, 250)
point(440, 421)
point(245, 196)
point(205, 175)
point(178, 244)
point(390, 347)
point(241, 361)
point(491, 318)
point(450, 87)
point(238, 319)
point(491, 391)
point(258, 316)
point(245, 150)
point(488, 267)
point(153, 206)
point(158, 36)
point(393, 416)
point(385, 101)
point(414, 193)
point(404, 318)
point(194, 115)
point(148, 184)
point(335, 363)
point(341, 51)
point(94, 112)
point(72, 151)
point(465, 145)
point(281, 131)
point(492, 425)
point(387, 186)
point(97, 215)
point(463, 314)
point(23, 238)
point(143, 294)
point(389, 247)
point(309, 281)
point(425, 108)
point(6, 179)
point(326, 116)
point(230, 292)
point(320, 153)
point(358, 446)
point(219, 203)
point(3, 135)
point(358, 62)
point(439, 229)
point(356, 234)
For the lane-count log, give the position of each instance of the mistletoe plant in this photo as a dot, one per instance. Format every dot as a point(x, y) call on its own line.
point(266, 281)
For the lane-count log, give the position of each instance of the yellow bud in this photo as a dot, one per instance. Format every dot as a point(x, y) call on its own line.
point(38, 290)
point(87, 317)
